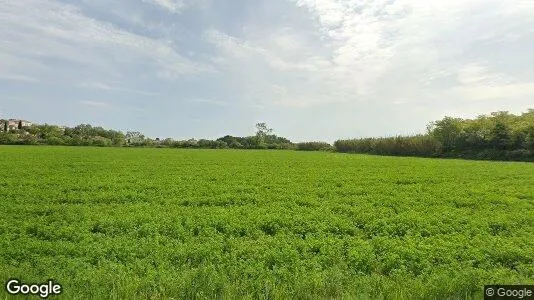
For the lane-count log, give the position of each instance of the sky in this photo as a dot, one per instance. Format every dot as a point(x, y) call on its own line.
point(311, 69)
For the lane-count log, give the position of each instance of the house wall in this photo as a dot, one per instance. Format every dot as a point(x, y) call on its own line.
point(13, 124)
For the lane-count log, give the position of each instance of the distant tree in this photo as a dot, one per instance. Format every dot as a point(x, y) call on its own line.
point(231, 141)
point(101, 141)
point(134, 134)
point(46, 131)
point(529, 138)
point(168, 142)
point(83, 130)
point(263, 131)
point(191, 143)
point(447, 131)
point(134, 137)
point(28, 139)
point(54, 141)
point(500, 136)
point(7, 138)
point(314, 146)
point(118, 140)
point(475, 134)
point(209, 144)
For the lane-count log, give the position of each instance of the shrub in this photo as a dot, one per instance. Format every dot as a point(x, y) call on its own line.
point(314, 146)
point(419, 145)
point(7, 138)
point(53, 140)
point(101, 141)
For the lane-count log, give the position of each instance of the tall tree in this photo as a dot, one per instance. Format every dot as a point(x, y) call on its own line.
point(262, 132)
point(529, 138)
point(262, 129)
point(447, 132)
point(500, 136)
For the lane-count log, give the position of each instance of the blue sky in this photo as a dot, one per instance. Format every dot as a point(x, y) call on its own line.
point(311, 69)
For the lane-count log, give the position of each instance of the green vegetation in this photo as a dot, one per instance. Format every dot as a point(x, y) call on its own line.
point(87, 135)
point(314, 146)
point(418, 145)
point(81, 135)
point(499, 136)
point(126, 223)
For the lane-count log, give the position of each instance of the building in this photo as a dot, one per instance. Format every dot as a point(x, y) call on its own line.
point(18, 124)
point(13, 124)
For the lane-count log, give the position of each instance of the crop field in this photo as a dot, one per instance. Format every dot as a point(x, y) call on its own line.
point(124, 223)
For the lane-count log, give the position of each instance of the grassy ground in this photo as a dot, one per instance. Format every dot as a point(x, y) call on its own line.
point(162, 223)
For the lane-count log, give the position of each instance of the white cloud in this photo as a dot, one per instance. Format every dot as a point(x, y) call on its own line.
point(106, 87)
point(478, 82)
point(173, 6)
point(243, 50)
point(210, 101)
point(480, 74)
point(15, 77)
point(371, 42)
point(94, 103)
point(360, 59)
point(496, 91)
point(45, 29)
point(361, 43)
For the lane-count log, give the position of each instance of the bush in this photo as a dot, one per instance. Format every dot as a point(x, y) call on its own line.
point(209, 144)
point(521, 154)
point(101, 141)
point(314, 146)
point(7, 138)
point(418, 145)
point(54, 140)
point(28, 139)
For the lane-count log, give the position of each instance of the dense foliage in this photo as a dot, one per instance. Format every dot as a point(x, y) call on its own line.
point(81, 135)
point(419, 145)
point(500, 135)
point(257, 142)
point(314, 146)
point(87, 135)
point(130, 223)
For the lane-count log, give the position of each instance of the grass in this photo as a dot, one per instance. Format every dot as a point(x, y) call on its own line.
point(121, 223)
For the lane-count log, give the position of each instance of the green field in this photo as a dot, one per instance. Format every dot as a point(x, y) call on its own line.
point(127, 223)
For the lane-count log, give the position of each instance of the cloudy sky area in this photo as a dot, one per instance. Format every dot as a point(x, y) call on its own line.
point(311, 69)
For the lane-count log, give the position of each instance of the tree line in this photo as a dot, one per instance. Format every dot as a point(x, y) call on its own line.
point(498, 136)
point(87, 135)
point(81, 135)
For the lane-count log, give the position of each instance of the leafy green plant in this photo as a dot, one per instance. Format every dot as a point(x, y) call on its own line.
point(128, 223)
